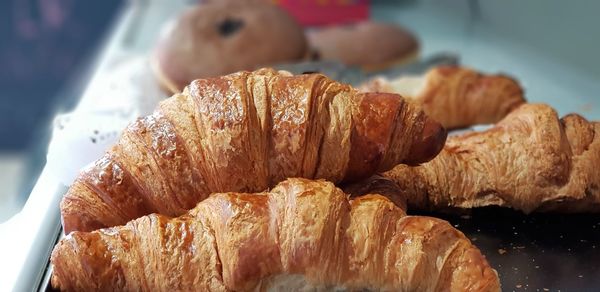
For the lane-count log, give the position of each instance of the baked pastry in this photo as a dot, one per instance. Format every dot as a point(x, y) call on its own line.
point(371, 45)
point(222, 37)
point(301, 236)
point(376, 184)
point(529, 161)
point(245, 132)
point(456, 96)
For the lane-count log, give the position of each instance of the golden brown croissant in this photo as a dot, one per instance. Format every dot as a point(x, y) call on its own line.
point(529, 161)
point(456, 97)
point(243, 133)
point(302, 236)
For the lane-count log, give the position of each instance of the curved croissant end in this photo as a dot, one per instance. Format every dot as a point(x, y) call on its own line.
point(530, 161)
point(457, 97)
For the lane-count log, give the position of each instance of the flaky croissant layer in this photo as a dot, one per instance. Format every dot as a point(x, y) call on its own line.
point(246, 132)
point(529, 161)
point(302, 235)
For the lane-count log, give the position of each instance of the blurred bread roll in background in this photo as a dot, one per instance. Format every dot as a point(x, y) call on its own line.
point(371, 45)
point(221, 37)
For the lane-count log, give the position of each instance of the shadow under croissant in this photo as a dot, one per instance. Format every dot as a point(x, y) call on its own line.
point(377, 184)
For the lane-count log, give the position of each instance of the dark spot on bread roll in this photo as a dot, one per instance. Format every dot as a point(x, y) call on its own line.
point(230, 26)
point(315, 55)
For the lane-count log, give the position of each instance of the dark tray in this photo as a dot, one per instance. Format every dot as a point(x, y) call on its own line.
point(537, 252)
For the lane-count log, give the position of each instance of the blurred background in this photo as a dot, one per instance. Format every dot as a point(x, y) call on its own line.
point(46, 46)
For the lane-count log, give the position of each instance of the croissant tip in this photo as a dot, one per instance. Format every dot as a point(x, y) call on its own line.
point(433, 138)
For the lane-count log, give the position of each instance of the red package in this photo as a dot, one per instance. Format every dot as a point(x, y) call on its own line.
point(323, 12)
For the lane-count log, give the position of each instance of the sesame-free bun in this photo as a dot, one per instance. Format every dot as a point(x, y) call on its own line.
point(221, 37)
point(371, 45)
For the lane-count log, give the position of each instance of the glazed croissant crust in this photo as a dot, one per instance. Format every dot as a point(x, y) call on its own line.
point(301, 236)
point(457, 97)
point(243, 133)
point(529, 161)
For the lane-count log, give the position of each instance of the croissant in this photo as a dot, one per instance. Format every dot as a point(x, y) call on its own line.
point(302, 236)
point(377, 184)
point(245, 132)
point(457, 97)
point(529, 161)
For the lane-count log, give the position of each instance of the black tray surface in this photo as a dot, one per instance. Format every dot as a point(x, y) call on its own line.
point(536, 252)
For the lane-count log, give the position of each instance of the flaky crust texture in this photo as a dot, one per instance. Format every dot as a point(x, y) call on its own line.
point(529, 161)
point(459, 97)
point(245, 132)
point(303, 235)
